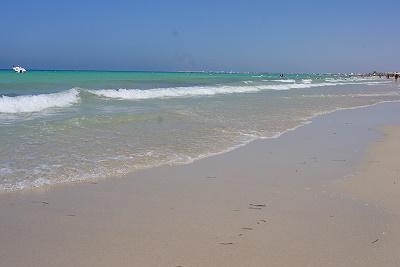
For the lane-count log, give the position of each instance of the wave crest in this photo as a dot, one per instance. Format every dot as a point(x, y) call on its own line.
point(35, 103)
point(172, 92)
point(282, 81)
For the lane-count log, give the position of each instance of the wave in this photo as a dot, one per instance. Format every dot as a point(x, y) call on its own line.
point(172, 92)
point(282, 81)
point(179, 160)
point(356, 79)
point(138, 94)
point(35, 103)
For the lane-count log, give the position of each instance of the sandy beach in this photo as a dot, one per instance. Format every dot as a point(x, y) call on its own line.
point(325, 194)
point(199, 134)
point(377, 178)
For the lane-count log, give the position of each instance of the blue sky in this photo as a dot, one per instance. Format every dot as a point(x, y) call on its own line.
point(273, 36)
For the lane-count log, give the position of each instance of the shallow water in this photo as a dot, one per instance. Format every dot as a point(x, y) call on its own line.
point(61, 126)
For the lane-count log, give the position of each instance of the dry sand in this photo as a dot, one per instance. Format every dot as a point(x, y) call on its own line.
point(281, 202)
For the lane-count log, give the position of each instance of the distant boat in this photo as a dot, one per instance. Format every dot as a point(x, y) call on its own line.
point(19, 69)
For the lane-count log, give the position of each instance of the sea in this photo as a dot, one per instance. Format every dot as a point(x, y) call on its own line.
point(70, 126)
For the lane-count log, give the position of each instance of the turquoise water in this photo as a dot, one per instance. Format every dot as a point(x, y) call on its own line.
point(64, 126)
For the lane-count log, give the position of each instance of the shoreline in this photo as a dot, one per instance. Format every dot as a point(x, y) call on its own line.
point(306, 121)
point(274, 201)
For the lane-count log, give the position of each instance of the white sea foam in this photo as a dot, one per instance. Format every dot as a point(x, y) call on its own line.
point(4, 171)
point(306, 81)
point(381, 82)
point(352, 95)
point(282, 81)
point(171, 92)
point(176, 159)
point(294, 86)
point(35, 103)
point(25, 184)
point(136, 94)
point(354, 79)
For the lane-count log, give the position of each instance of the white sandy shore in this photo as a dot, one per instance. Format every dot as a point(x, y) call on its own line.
point(271, 203)
point(377, 180)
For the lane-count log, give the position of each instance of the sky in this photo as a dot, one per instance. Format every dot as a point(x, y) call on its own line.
point(264, 36)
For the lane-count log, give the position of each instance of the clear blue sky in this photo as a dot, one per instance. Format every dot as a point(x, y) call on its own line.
point(274, 36)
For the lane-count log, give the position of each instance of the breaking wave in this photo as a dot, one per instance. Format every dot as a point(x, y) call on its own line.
point(137, 94)
point(35, 103)
point(282, 81)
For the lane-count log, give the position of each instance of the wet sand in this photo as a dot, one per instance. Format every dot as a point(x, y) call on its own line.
point(377, 180)
point(299, 200)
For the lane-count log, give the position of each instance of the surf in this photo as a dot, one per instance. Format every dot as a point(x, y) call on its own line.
point(174, 92)
point(36, 103)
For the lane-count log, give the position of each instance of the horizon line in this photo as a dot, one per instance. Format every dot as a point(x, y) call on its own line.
point(203, 71)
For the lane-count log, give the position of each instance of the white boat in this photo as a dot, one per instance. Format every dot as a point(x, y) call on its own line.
point(19, 69)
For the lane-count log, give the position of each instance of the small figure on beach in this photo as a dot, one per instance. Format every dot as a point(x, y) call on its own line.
point(396, 76)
